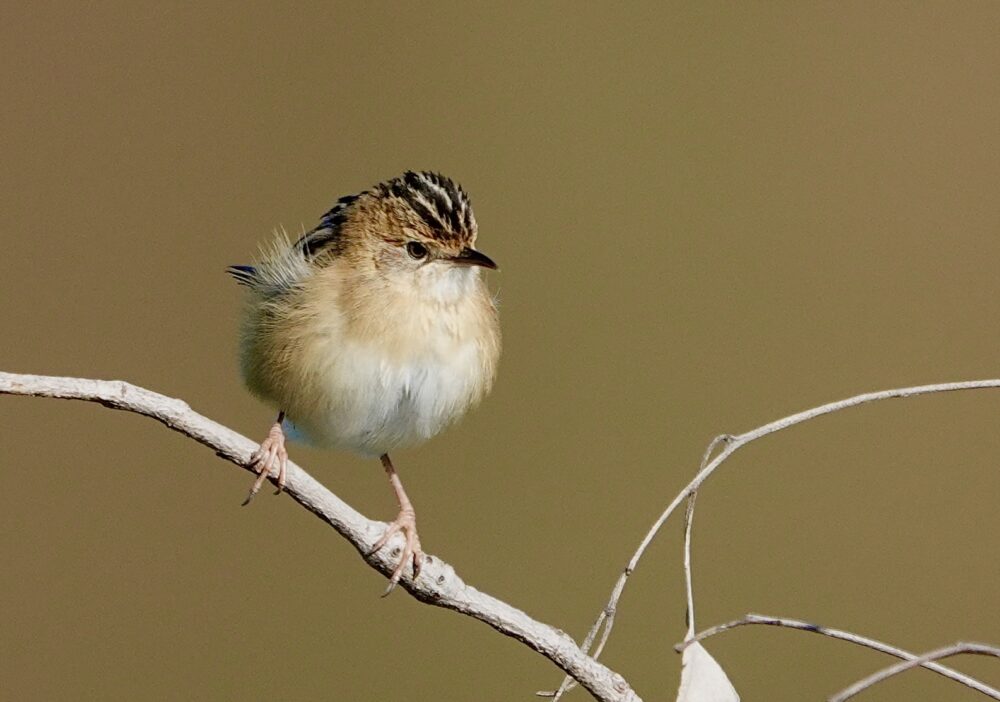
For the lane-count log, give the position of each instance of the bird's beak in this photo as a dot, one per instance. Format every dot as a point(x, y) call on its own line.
point(471, 257)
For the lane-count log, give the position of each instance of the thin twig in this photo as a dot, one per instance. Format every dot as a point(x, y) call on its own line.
point(733, 444)
point(607, 616)
point(688, 529)
point(688, 584)
point(897, 668)
point(438, 583)
point(857, 639)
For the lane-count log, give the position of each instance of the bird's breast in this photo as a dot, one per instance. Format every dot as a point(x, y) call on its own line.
point(397, 379)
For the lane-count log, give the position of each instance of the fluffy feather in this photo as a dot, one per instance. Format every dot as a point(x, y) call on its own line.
point(362, 347)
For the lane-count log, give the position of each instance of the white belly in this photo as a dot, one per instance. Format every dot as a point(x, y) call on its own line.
point(373, 403)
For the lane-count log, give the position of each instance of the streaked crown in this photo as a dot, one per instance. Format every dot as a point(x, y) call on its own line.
point(427, 204)
point(440, 203)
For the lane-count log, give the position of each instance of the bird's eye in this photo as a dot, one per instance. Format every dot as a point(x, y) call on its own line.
point(416, 250)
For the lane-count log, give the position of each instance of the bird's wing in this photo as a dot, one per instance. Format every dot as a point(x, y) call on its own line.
point(327, 234)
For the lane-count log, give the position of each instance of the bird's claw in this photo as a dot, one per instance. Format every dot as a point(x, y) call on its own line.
point(405, 522)
point(271, 454)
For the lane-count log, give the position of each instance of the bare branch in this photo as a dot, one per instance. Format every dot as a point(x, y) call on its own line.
point(910, 658)
point(688, 583)
point(688, 528)
point(896, 669)
point(734, 443)
point(438, 583)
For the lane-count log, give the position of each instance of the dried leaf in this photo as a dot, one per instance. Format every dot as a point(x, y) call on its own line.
point(702, 679)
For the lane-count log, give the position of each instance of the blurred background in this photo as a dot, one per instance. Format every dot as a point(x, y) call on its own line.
point(708, 216)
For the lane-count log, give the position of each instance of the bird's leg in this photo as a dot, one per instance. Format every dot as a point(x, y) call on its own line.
point(406, 522)
point(271, 454)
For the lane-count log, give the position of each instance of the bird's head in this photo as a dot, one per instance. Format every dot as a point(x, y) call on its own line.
point(417, 230)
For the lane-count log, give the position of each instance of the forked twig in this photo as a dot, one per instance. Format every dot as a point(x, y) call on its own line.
point(897, 668)
point(907, 656)
point(605, 618)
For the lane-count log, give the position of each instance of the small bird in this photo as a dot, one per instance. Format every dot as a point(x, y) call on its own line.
point(371, 332)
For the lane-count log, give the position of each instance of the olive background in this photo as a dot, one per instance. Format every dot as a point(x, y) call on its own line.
point(707, 216)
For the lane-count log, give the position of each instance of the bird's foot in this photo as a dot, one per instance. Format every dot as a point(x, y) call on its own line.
point(271, 454)
point(405, 522)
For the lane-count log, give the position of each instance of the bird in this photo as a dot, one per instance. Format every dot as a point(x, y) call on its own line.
point(371, 332)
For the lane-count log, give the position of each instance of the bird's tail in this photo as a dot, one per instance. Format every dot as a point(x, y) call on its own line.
point(244, 275)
